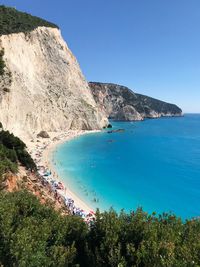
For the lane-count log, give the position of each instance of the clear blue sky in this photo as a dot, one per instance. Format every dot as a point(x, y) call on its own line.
point(151, 46)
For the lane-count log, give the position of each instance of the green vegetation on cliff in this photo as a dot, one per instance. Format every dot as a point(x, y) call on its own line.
point(35, 235)
point(13, 21)
point(2, 63)
point(12, 151)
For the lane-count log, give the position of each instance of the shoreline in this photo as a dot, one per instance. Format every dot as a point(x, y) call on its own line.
point(41, 150)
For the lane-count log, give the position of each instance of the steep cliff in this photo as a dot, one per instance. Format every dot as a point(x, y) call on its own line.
point(121, 103)
point(42, 86)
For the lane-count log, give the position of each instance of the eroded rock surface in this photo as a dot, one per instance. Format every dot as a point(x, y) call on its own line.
point(121, 103)
point(43, 87)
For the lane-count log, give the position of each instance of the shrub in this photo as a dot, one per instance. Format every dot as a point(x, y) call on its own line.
point(12, 150)
point(32, 234)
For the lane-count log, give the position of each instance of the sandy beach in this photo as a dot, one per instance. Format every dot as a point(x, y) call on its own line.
point(41, 151)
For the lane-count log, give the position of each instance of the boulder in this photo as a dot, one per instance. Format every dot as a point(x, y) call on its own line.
point(43, 134)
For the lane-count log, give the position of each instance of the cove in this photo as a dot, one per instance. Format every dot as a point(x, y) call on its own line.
point(154, 164)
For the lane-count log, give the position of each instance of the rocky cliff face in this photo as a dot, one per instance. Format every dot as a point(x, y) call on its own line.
point(120, 103)
point(42, 87)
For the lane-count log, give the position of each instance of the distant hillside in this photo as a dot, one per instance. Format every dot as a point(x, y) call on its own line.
point(13, 21)
point(121, 103)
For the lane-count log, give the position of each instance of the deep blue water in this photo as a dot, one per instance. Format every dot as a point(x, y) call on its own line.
point(154, 164)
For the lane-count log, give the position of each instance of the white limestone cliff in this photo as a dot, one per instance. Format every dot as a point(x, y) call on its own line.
point(43, 87)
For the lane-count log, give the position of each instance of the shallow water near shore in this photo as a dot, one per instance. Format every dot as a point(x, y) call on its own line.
point(154, 164)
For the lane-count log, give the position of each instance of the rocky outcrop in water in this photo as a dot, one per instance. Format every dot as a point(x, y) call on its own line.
point(121, 103)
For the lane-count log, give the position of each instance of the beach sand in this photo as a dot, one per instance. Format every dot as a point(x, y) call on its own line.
point(46, 146)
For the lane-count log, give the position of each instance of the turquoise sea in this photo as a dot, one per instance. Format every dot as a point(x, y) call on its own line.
point(154, 164)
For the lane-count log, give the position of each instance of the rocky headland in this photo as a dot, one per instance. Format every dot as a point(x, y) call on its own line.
point(42, 88)
point(121, 103)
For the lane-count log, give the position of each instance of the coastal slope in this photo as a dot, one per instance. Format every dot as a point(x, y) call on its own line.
point(121, 103)
point(42, 86)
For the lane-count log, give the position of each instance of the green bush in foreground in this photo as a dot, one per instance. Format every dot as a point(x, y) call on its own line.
point(34, 235)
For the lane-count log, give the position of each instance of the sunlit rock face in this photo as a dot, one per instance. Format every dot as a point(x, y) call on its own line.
point(121, 103)
point(43, 87)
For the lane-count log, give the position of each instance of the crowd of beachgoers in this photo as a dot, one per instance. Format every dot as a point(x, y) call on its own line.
point(50, 179)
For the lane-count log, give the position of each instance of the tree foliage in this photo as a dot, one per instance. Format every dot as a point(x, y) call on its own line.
point(13, 150)
point(13, 21)
point(33, 235)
